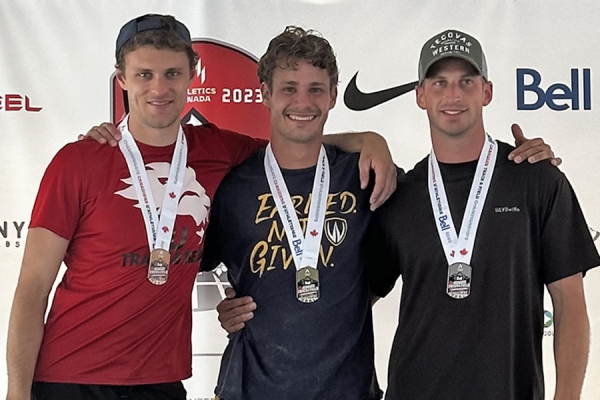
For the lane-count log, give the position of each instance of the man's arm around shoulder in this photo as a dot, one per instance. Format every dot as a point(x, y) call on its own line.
point(374, 155)
point(43, 254)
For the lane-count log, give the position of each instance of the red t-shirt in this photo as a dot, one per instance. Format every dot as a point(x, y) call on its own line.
point(108, 324)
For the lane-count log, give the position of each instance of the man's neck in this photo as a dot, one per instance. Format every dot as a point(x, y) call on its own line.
point(157, 137)
point(459, 149)
point(295, 155)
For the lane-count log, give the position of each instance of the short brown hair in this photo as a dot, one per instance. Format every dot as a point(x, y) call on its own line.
point(295, 44)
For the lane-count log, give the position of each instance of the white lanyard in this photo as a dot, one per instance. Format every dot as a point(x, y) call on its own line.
point(305, 249)
point(159, 231)
point(460, 248)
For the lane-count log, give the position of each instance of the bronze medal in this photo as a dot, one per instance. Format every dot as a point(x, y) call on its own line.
point(307, 285)
point(158, 268)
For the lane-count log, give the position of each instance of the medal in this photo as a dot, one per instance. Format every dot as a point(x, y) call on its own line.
point(304, 247)
point(459, 280)
point(158, 269)
point(158, 230)
point(307, 284)
point(458, 248)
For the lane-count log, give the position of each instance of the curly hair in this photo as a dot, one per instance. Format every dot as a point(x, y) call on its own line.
point(295, 44)
point(159, 39)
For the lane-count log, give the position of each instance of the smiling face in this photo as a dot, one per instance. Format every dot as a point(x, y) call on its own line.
point(299, 101)
point(156, 82)
point(454, 95)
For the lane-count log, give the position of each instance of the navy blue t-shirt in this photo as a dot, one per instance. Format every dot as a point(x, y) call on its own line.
point(292, 350)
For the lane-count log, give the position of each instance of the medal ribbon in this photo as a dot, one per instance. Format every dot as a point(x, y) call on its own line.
point(159, 231)
point(304, 248)
point(460, 248)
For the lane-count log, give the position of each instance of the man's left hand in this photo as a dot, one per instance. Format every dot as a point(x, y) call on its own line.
point(376, 156)
point(532, 150)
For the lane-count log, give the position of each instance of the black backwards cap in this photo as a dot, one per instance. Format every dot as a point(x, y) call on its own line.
point(150, 22)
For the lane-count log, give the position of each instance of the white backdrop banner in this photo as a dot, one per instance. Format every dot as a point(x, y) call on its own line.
point(56, 81)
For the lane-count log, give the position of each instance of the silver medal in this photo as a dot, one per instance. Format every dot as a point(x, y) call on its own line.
point(459, 280)
point(307, 285)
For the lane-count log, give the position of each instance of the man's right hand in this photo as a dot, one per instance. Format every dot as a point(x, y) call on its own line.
point(235, 312)
point(105, 133)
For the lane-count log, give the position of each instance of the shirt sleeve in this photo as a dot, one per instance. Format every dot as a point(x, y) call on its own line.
point(567, 244)
point(381, 270)
point(211, 257)
point(240, 146)
point(58, 202)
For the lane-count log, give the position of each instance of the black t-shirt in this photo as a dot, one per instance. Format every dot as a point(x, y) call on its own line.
point(488, 345)
point(292, 350)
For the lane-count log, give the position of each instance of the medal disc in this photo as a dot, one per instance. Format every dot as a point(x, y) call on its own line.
point(307, 285)
point(158, 268)
point(459, 280)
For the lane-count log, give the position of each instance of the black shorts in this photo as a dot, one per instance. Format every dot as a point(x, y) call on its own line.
point(72, 391)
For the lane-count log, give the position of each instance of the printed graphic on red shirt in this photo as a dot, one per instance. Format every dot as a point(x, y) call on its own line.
point(194, 201)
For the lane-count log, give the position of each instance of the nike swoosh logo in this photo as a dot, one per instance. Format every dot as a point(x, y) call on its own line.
point(359, 101)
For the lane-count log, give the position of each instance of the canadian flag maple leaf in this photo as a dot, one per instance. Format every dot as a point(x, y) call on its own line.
point(172, 195)
point(165, 229)
point(464, 252)
point(314, 232)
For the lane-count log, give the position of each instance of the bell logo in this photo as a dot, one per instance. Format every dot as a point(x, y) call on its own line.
point(557, 91)
point(17, 102)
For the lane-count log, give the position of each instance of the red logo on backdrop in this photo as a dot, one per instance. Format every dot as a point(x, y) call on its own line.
point(17, 102)
point(225, 91)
